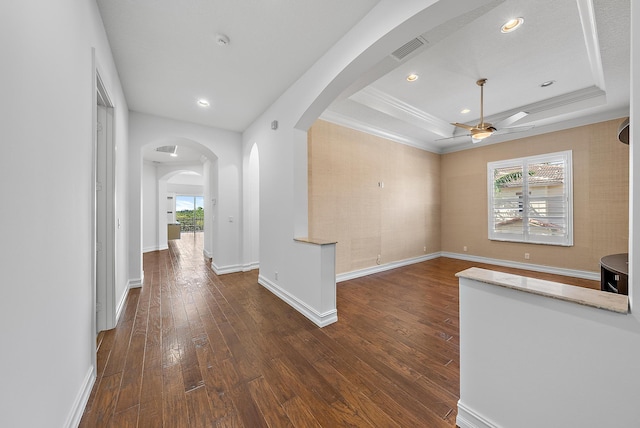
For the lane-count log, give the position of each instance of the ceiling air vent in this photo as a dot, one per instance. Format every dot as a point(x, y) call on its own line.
point(405, 50)
point(167, 149)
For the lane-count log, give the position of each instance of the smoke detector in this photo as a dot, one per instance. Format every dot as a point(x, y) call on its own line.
point(222, 39)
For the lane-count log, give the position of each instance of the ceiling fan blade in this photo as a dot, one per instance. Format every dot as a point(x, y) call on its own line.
point(462, 125)
point(514, 129)
point(511, 119)
point(454, 137)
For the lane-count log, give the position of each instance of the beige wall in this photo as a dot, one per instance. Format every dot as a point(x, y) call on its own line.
point(600, 197)
point(440, 201)
point(347, 204)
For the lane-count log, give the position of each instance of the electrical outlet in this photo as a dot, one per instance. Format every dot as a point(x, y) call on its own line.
point(378, 259)
point(464, 248)
point(276, 275)
point(526, 256)
point(425, 249)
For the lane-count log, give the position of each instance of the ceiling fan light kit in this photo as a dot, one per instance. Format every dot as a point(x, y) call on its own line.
point(485, 129)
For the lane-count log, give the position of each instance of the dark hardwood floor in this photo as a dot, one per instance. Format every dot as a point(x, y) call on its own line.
point(193, 349)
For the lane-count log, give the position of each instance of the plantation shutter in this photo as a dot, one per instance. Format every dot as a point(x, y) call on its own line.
point(530, 199)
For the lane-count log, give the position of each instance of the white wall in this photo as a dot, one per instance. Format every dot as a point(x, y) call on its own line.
point(185, 189)
point(634, 166)
point(283, 153)
point(224, 150)
point(47, 126)
point(150, 207)
point(251, 208)
point(530, 361)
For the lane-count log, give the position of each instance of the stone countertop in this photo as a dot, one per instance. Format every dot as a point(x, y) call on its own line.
point(315, 241)
point(570, 293)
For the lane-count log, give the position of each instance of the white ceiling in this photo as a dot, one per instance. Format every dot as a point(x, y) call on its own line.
point(167, 58)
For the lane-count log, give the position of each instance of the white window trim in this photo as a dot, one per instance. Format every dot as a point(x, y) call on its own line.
point(565, 240)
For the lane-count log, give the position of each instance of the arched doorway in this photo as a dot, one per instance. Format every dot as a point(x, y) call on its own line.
point(252, 211)
point(175, 168)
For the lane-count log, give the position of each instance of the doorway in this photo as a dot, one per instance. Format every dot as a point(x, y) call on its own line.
point(190, 213)
point(104, 215)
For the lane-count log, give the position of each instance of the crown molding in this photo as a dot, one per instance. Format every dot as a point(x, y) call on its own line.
point(348, 122)
point(394, 107)
point(592, 43)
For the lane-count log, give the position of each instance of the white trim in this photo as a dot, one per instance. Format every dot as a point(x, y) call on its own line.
point(539, 130)
point(250, 266)
point(467, 418)
point(394, 107)
point(151, 249)
point(221, 270)
point(121, 306)
point(584, 274)
point(207, 254)
point(135, 283)
point(79, 404)
point(320, 319)
point(381, 268)
point(348, 122)
point(592, 44)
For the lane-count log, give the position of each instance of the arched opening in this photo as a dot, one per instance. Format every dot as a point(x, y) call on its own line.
point(252, 215)
point(173, 171)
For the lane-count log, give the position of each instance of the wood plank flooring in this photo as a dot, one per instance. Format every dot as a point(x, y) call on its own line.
point(193, 349)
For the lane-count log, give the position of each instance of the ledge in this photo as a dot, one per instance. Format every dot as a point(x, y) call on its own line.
point(583, 296)
point(315, 241)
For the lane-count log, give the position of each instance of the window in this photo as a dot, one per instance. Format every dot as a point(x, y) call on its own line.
point(190, 213)
point(530, 199)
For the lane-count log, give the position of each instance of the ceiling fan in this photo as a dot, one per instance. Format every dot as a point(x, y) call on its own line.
point(484, 129)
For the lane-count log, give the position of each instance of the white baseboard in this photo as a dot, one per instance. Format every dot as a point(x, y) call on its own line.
point(320, 319)
point(467, 418)
point(381, 268)
point(79, 404)
point(150, 249)
point(206, 254)
point(584, 274)
point(120, 305)
point(135, 282)
point(250, 266)
point(221, 270)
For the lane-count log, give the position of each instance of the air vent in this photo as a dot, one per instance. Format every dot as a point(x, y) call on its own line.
point(405, 50)
point(167, 149)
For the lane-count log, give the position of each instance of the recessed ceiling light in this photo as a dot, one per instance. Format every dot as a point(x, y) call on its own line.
point(412, 77)
point(203, 103)
point(465, 111)
point(511, 25)
point(547, 83)
point(173, 155)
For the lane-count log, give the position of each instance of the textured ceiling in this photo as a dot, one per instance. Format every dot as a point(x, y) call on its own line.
point(167, 57)
point(583, 49)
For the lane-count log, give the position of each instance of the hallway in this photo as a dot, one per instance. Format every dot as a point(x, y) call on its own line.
point(193, 349)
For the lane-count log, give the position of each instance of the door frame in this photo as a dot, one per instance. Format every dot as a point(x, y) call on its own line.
point(103, 208)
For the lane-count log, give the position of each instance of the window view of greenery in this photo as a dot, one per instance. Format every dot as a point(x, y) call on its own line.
point(190, 213)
